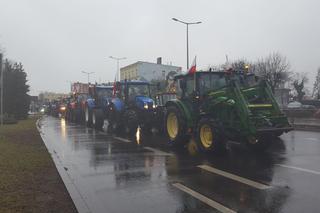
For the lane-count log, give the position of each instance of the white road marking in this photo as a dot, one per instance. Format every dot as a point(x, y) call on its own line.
point(203, 198)
point(300, 169)
point(156, 151)
point(313, 139)
point(235, 177)
point(122, 139)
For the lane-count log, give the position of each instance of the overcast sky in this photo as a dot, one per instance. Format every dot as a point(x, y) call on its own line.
point(56, 40)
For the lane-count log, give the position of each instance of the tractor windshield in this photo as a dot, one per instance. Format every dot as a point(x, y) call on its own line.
point(138, 90)
point(104, 92)
point(210, 81)
point(246, 80)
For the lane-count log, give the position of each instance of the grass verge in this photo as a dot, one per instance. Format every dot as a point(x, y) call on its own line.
point(29, 181)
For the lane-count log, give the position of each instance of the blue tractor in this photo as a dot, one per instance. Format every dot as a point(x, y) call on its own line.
point(132, 106)
point(96, 107)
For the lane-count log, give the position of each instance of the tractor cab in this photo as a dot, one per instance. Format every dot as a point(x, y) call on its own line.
point(101, 94)
point(135, 94)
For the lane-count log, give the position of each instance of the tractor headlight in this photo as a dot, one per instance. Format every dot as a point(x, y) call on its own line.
point(145, 105)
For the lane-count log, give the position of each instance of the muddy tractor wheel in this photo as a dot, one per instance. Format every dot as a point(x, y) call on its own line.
point(175, 126)
point(88, 116)
point(97, 119)
point(209, 138)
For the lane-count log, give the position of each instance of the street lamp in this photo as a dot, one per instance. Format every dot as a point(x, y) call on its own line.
point(187, 23)
point(117, 59)
point(88, 73)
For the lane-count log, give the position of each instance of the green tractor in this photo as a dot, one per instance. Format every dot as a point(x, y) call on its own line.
point(213, 107)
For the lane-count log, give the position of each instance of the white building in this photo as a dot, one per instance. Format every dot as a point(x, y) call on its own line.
point(147, 71)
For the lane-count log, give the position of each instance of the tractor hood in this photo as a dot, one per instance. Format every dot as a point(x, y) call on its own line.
point(142, 101)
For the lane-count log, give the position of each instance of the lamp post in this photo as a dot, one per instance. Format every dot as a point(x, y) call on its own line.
point(88, 73)
point(117, 59)
point(187, 23)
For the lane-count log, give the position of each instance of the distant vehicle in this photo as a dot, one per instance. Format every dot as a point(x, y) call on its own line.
point(96, 106)
point(76, 105)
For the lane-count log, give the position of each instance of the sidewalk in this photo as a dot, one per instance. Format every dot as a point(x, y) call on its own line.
point(310, 124)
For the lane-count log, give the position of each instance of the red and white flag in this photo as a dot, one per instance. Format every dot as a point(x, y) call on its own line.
point(193, 67)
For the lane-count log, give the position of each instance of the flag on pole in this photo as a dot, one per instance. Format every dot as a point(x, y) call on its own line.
point(193, 67)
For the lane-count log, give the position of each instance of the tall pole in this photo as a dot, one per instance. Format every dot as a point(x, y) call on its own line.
point(1, 95)
point(118, 69)
point(187, 24)
point(88, 75)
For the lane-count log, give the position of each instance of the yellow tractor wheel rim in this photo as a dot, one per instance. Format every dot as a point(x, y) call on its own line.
point(206, 136)
point(172, 125)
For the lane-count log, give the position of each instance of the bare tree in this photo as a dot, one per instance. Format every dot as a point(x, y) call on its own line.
point(275, 68)
point(298, 83)
point(316, 86)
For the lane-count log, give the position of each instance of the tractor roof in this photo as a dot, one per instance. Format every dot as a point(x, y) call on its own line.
point(222, 72)
point(135, 82)
point(104, 87)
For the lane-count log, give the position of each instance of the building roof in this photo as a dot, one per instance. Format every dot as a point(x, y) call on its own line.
point(144, 62)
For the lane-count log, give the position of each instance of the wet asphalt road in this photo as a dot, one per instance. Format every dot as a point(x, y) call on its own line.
point(105, 173)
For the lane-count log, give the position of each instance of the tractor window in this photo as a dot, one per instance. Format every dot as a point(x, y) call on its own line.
point(210, 82)
point(246, 80)
point(104, 92)
point(189, 87)
point(138, 90)
point(178, 89)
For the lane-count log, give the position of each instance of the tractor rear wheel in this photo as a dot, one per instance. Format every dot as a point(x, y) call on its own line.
point(175, 126)
point(97, 119)
point(209, 138)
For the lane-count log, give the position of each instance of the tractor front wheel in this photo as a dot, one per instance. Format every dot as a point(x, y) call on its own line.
point(97, 119)
point(175, 126)
point(131, 121)
point(209, 138)
point(88, 116)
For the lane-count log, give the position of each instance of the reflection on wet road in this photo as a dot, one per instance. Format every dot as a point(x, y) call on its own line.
point(105, 173)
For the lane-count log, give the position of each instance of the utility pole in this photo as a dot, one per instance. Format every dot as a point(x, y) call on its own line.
point(88, 73)
point(118, 70)
point(1, 95)
point(187, 24)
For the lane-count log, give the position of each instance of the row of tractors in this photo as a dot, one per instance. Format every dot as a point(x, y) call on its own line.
point(209, 107)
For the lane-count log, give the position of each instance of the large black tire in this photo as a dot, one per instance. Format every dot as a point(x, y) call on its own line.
point(76, 115)
point(88, 116)
point(97, 119)
point(209, 137)
point(175, 126)
point(130, 121)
